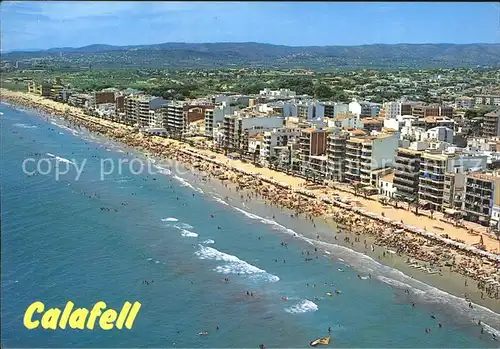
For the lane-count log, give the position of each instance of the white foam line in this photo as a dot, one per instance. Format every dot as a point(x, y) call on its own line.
point(220, 200)
point(183, 182)
point(266, 221)
point(24, 125)
point(392, 276)
point(304, 306)
point(169, 219)
point(189, 234)
point(232, 264)
point(58, 158)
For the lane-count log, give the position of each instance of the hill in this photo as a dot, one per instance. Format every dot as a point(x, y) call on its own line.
point(230, 55)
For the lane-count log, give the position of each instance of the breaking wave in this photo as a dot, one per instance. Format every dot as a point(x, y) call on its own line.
point(232, 264)
point(24, 125)
point(169, 219)
point(189, 234)
point(58, 158)
point(304, 306)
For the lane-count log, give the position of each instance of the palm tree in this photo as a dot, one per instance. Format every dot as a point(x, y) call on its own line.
point(415, 203)
point(396, 199)
point(357, 187)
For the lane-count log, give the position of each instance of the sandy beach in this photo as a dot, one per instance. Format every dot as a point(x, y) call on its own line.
point(405, 234)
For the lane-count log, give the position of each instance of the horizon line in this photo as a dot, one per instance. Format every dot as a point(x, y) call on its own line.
point(244, 42)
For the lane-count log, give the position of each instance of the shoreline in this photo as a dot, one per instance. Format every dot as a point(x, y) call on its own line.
point(353, 222)
point(446, 281)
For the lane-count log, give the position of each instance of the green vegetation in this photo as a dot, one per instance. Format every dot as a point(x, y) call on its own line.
point(431, 85)
point(256, 55)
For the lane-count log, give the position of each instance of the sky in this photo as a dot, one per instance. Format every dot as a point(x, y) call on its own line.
point(42, 25)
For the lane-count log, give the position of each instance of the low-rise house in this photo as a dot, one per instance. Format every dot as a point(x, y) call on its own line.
point(386, 185)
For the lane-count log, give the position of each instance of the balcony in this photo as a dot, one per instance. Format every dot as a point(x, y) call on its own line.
point(404, 180)
point(355, 146)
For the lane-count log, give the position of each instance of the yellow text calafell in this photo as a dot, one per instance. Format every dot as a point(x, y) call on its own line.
point(80, 318)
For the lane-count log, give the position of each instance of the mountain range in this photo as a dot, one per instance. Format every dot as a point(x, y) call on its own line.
point(250, 54)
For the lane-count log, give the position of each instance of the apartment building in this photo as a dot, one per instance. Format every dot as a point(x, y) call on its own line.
point(332, 109)
point(440, 133)
point(175, 117)
point(407, 172)
point(392, 110)
point(482, 193)
point(365, 109)
point(430, 122)
point(137, 107)
point(433, 169)
point(120, 103)
point(215, 116)
point(307, 110)
point(237, 128)
point(31, 86)
point(283, 93)
point(367, 154)
point(335, 151)
point(101, 97)
point(454, 191)
point(491, 124)
point(490, 144)
point(372, 124)
point(79, 100)
point(276, 140)
point(432, 110)
point(465, 102)
point(345, 120)
point(56, 88)
point(487, 100)
point(43, 89)
point(312, 151)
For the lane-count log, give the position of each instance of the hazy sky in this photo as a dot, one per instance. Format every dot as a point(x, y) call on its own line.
point(37, 24)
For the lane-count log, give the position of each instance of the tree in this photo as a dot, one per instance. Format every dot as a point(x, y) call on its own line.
point(321, 91)
point(396, 199)
point(357, 187)
point(415, 202)
point(471, 114)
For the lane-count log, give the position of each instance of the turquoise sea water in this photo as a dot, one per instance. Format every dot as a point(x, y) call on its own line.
point(87, 240)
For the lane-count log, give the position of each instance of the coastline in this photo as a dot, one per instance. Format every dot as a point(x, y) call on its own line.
point(448, 281)
point(288, 195)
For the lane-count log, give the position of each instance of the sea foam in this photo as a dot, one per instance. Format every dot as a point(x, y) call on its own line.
point(233, 265)
point(162, 170)
point(220, 200)
point(169, 219)
point(58, 158)
point(184, 182)
point(189, 234)
point(393, 277)
point(24, 125)
point(304, 306)
point(267, 221)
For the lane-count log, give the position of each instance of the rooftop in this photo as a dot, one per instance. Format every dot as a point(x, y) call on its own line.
point(493, 114)
point(372, 121)
point(388, 177)
point(409, 151)
point(485, 176)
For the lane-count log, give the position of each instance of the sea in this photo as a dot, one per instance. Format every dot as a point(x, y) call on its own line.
point(90, 235)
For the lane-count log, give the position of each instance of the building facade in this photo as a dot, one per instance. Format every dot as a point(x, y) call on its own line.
point(482, 193)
